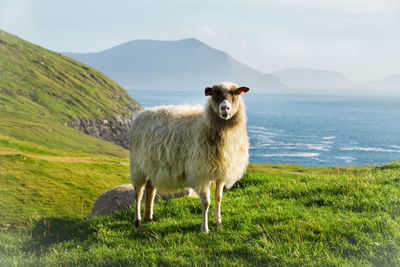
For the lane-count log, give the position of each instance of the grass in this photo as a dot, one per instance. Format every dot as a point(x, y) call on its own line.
point(276, 215)
point(37, 83)
point(66, 186)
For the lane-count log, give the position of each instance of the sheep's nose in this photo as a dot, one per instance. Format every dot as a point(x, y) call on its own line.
point(225, 108)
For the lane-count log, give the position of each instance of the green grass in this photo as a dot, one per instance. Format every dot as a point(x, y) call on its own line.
point(37, 83)
point(280, 215)
point(33, 186)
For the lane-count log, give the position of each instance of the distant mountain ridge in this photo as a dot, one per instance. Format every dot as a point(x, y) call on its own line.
point(183, 65)
point(391, 82)
point(189, 64)
point(305, 78)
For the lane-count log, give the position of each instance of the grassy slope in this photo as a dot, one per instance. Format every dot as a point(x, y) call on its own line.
point(53, 182)
point(37, 83)
point(47, 168)
point(276, 215)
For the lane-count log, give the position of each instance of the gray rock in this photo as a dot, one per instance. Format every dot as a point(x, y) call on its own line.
point(122, 197)
point(115, 130)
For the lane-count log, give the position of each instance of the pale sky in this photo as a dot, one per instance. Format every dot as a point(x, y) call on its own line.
point(360, 38)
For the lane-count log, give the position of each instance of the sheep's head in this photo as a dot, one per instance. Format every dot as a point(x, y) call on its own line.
point(225, 98)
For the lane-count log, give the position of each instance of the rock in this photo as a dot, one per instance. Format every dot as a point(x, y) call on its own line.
point(122, 197)
point(115, 130)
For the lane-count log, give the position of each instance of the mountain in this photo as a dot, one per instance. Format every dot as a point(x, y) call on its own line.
point(184, 65)
point(49, 103)
point(313, 79)
point(391, 82)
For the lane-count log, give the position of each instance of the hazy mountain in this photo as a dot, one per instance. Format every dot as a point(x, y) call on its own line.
point(313, 79)
point(391, 82)
point(184, 64)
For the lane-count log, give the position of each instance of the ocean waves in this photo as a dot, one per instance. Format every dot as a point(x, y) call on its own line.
point(390, 149)
point(282, 146)
point(267, 143)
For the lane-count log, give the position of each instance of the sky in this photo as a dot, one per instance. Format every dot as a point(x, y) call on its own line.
point(360, 38)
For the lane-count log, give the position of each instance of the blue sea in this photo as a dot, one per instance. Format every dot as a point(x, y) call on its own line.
point(312, 129)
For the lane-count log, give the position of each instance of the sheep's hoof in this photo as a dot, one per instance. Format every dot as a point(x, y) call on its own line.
point(219, 225)
point(138, 223)
point(204, 230)
point(148, 220)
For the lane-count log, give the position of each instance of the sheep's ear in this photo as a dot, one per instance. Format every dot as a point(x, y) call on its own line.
point(208, 91)
point(241, 90)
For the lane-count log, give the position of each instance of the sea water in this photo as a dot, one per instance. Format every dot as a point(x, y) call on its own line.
point(312, 129)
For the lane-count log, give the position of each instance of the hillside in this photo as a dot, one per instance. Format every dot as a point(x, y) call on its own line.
point(303, 78)
point(184, 65)
point(41, 85)
point(47, 166)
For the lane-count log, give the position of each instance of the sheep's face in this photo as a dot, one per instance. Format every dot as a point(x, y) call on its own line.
point(225, 98)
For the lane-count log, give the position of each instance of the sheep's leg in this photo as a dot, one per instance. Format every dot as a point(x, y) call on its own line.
point(205, 204)
point(138, 196)
point(148, 208)
point(218, 197)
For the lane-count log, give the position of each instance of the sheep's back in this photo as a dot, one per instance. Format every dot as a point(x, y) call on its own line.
point(161, 141)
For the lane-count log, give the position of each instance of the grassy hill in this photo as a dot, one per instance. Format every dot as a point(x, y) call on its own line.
point(38, 85)
point(42, 83)
point(47, 168)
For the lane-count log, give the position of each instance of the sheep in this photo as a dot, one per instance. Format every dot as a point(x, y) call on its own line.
point(172, 147)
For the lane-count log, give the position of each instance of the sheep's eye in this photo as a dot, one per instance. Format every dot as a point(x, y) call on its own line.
point(218, 95)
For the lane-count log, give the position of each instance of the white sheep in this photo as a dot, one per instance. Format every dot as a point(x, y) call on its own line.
point(172, 147)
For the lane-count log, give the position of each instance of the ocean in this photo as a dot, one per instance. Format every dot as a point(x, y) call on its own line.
point(312, 129)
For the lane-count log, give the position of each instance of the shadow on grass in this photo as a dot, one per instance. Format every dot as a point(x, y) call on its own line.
point(51, 230)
